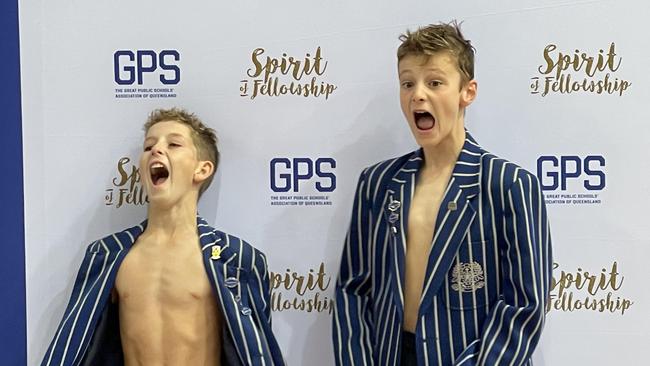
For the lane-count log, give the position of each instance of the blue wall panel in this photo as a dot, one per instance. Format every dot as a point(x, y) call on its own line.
point(13, 340)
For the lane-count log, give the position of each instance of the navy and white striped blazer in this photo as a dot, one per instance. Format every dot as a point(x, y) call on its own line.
point(488, 273)
point(89, 331)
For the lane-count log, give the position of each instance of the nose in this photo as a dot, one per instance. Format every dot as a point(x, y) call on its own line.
point(156, 149)
point(418, 93)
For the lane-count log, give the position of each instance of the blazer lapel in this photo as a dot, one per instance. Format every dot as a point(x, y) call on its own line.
point(395, 211)
point(456, 214)
point(222, 265)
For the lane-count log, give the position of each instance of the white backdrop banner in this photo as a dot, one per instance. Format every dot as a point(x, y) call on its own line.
point(303, 96)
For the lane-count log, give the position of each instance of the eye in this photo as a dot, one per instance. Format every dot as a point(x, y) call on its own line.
point(406, 84)
point(435, 83)
point(147, 148)
point(174, 144)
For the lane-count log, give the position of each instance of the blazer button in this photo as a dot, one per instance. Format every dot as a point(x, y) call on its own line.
point(245, 311)
point(231, 282)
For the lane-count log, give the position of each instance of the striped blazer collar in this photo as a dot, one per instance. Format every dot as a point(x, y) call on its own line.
point(468, 167)
point(466, 171)
point(456, 213)
point(465, 177)
point(213, 244)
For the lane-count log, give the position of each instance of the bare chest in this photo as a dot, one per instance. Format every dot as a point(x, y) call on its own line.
point(155, 273)
point(168, 314)
point(423, 213)
point(421, 228)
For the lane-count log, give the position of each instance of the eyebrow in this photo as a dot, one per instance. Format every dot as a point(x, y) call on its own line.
point(173, 135)
point(431, 69)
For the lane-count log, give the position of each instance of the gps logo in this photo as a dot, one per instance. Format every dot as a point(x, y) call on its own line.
point(130, 67)
point(287, 173)
point(554, 172)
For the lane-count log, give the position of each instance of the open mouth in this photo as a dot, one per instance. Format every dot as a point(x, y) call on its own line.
point(159, 173)
point(424, 120)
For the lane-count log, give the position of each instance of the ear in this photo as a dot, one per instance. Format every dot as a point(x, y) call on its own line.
point(468, 93)
point(203, 171)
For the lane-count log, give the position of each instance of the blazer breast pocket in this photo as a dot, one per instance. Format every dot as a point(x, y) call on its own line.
point(471, 281)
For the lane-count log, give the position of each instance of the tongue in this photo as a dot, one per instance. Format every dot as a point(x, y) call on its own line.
point(160, 180)
point(425, 122)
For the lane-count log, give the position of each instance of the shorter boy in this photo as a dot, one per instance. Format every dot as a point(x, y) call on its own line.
point(172, 290)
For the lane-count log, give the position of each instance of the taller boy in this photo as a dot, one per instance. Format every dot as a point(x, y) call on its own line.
point(187, 294)
point(448, 257)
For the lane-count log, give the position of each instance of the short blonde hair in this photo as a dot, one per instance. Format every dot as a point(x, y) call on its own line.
point(442, 37)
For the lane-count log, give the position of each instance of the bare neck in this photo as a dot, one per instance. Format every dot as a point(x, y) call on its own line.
point(442, 158)
point(178, 220)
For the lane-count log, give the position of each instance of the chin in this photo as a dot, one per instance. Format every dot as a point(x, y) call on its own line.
point(158, 197)
point(427, 141)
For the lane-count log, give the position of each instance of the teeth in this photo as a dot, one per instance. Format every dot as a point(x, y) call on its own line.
point(157, 165)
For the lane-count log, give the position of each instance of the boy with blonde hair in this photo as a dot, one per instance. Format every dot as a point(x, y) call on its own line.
point(172, 290)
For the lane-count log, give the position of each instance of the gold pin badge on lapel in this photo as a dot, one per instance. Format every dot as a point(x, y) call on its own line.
point(216, 252)
point(451, 206)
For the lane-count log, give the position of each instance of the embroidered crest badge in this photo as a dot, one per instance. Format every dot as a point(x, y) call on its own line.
point(467, 277)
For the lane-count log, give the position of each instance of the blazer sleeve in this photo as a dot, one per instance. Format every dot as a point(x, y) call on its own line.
point(70, 338)
point(352, 324)
point(514, 324)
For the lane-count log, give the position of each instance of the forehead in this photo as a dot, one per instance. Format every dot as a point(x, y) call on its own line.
point(440, 61)
point(166, 128)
